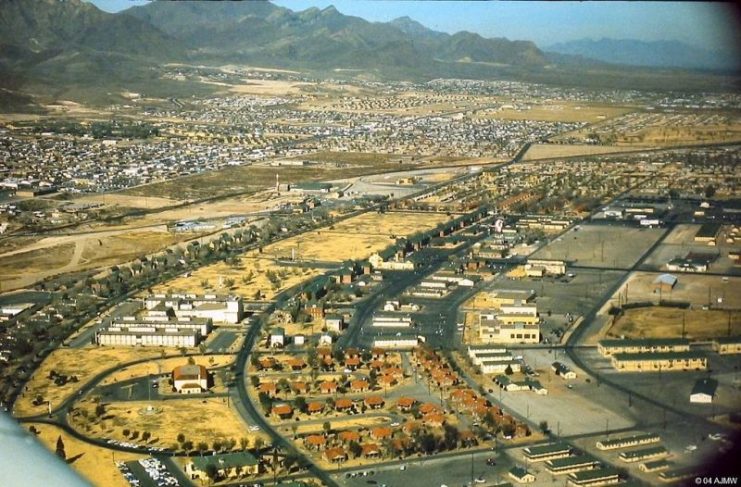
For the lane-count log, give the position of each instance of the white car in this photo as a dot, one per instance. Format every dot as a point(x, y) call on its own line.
point(691, 448)
point(254, 427)
point(479, 480)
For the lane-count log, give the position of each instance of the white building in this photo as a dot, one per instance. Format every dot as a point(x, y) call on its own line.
point(277, 337)
point(190, 379)
point(220, 309)
point(147, 336)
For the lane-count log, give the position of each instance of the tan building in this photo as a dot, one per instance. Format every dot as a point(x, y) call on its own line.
point(727, 345)
point(644, 345)
point(493, 330)
point(659, 362)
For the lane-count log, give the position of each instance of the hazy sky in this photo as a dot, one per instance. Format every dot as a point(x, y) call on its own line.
point(709, 25)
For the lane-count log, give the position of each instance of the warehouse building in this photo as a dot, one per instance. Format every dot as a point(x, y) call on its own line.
point(148, 336)
point(628, 441)
point(703, 392)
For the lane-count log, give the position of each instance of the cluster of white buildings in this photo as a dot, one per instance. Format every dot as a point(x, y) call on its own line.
point(171, 320)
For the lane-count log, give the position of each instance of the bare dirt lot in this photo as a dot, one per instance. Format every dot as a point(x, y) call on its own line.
point(49, 256)
point(545, 151)
point(601, 246)
point(558, 111)
point(697, 289)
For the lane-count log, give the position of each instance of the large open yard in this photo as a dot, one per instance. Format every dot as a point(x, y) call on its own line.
point(200, 420)
point(355, 238)
point(84, 364)
point(601, 246)
point(546, 151)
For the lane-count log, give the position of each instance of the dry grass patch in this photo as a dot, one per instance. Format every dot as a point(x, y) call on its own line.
point(664, 322)
point(561, 111)
point(356, 238)
point(200, 420)
point(92, 462)
point(84, 363)
point(251, 277)
point(546, 151)
point(163, 366)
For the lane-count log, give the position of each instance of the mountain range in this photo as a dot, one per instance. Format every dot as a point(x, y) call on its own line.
point(665, 54)
point(70, 48)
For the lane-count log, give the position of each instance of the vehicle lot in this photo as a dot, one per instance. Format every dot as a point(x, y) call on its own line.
point(606, 246)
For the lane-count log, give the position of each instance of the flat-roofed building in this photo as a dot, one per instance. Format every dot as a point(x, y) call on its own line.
point(384, 320)
point(610, 347)
point(147, 336)
point(492, 330)
point(594, 478)
point(727, 345)
point(221, 309)
point(628, 441)
point(561, 466)
point(655, 465)
point(643, 454)
point(203, 325)
point(562, 370)
point(550, 451)
point(396, 343)
point(655, 362)
point(550, 266)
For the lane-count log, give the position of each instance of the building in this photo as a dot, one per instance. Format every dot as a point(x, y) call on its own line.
point(395, 343)
point(277, 337)
point(563, 370)
point(644, 345)
point(594, 478)
point(703, 391)
point(657, 362)
point(727, 345)
point(202, 325)
point(385, 320)
point(521, 475)
point(549, 266)
point(227, 465)
point(642, 454)
point(494, 362)
point(665, 283)
point(550, 451)
point(190, 379)
point(147, 336)
point(493, 330)
point(562, 466)
point(708, 233)
point(220, 309)
point(334, 322)
point(628, 441)
point(378, 262)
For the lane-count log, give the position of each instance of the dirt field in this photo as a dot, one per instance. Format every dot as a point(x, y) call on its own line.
point(84, 363)
point(695, 289)
point(249, 279)
point(601, 246)
point(356, 238)
point(126, 200)
point(92, 462)
point(48, 256)
point(558, 111)
point(195, 418)
point(663, 322)
point(545, 151)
